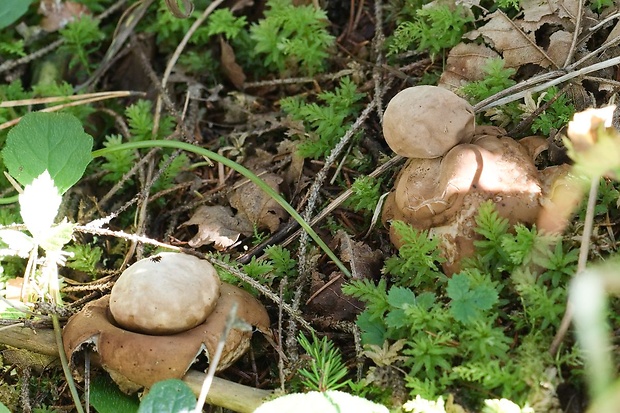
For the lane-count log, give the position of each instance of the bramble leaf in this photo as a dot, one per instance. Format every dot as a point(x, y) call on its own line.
point(55, 142)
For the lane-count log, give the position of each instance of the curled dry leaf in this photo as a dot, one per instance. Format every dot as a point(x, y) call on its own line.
point(329, 302)
point(518, 48)
point(229, 65)
point(465, 64)
point(218, 225)
point(256, 206)
point(364, 261)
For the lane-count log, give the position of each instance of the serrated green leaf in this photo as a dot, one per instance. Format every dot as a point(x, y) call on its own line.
point(468, 302)
point(400, 296)
point(168, 396)
point(483, 297)
point(426, 300)
point(373, 331)
point(11, 10)
point(55, 142)
point(396, 319)
point(458, 286)
point(106, 397)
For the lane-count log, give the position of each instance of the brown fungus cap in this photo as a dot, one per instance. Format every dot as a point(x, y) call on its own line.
point(165, 294)
point(137, 360)
point(427, 121)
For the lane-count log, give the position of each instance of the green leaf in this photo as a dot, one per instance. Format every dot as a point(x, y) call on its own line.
point(168, 396)
point(468, 302)
point(11, 10)
point(373, 331)
point(58, 236)
point(399, 296)
point(55, 142)
point(3, 408)
point(106, 397)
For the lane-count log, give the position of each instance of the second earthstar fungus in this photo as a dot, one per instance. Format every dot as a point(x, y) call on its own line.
point(441, 190)
point(136, 357)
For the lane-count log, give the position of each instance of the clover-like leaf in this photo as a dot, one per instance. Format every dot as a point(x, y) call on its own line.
point(55, 142)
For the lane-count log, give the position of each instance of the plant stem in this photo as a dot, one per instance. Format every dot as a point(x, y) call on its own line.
point(65, 364)
point(238, 168)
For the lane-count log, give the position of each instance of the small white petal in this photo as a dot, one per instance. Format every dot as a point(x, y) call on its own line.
point(39, 205)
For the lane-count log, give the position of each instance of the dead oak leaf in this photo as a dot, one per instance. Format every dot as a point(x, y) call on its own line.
point(256, 206)
point(217, 224)
point(517, 47)
point(229, 65)
point(466, 62)
point(535, 10)
point(364, 261)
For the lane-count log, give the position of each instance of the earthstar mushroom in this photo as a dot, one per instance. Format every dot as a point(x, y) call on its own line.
point(442, 191)
point(427, 121)
point(140, 358)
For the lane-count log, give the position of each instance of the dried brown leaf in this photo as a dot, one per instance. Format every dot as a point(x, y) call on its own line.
point(328, 300)
point(256, 206)
point(465, 64)
point(218, 225)
point(229, 65)
point(364, 261)
point(559, 46)
point(518, 48)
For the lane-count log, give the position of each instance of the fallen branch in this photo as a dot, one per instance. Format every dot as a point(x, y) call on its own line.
point(224, 393)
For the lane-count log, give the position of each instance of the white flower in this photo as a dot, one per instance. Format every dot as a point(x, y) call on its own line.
point(39, 205)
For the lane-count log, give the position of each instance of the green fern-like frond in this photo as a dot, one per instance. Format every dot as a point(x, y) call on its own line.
point(84, 257)
point(167, 179)
point(418, 258)
point(492, 227)
point(326, 122)
point(292, 38)
point(431, 30)
point(374, 295)
point(116, 163)
point(13, 48)
point(222, 21)
point(497, 78)
point(140, 120)
point(366, 194)
point(283, 264)
point(82, 37)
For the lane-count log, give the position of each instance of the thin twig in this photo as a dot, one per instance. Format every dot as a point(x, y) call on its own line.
point(573, 45)
point(343, 197)
point(65, 364)
point(293, 313)
point(100, 97)
point(490, 102)
point(177, 53)
point(584, 249)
